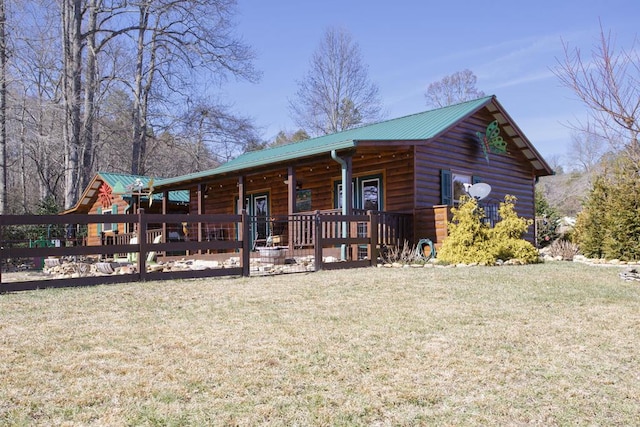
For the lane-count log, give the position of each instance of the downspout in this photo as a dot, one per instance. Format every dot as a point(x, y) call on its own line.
point(343, 165)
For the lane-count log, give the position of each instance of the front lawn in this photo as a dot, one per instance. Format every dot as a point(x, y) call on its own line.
point(549, 344)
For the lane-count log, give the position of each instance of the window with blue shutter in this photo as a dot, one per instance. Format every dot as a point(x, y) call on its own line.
point(99, 225)
point(114, 210)
point(446, 187)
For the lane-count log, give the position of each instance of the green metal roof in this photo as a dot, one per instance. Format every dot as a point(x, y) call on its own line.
point(415, 127)
point(112, 179)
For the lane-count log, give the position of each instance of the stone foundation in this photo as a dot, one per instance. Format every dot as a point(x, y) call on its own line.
point(58, 268)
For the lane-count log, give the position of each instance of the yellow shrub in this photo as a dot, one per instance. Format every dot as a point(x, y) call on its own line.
point(470, 240)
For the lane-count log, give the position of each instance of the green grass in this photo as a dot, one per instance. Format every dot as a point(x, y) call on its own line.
point(552, 344)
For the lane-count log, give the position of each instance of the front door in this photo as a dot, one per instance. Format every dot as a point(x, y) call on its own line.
point(367, 195)
point(260, 210)
point(257, 206)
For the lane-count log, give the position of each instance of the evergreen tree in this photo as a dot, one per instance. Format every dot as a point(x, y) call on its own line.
point(609, 224)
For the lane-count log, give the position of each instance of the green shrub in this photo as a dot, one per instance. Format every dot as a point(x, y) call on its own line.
point(471, 240)
point(547, 230)
point(609, 224)
point(590, 229)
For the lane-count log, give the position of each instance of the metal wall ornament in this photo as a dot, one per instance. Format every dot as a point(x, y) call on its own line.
point(105, 196)
point(491, 141)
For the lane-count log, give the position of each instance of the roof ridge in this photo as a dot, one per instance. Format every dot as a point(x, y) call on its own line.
point(421, 112)
point(381, 122)
point(122, 174)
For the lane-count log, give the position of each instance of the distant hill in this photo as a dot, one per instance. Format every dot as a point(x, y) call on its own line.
point(565, 192)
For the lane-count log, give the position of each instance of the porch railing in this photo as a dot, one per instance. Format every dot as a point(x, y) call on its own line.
point(393, 228)
point(127, 238)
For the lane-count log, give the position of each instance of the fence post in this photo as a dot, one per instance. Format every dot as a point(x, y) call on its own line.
point(246, 250)
point(317, 241)
point(142, 245)
point(2, 243)
point(373, 238)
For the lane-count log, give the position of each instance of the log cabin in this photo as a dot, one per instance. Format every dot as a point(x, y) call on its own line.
point(114, 193)
point(416, 166)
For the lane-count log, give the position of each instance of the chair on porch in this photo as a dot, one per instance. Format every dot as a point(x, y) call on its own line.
point(276, 236)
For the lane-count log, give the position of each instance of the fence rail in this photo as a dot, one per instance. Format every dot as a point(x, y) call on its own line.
point(125, 245)
point(358, 236)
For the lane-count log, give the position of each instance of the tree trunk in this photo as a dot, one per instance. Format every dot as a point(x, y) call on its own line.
point(86, 169)
point(72, 46)
point(3, 111)
point(139, 132)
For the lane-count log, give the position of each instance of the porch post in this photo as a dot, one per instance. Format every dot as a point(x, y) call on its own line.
point(165, 201)
point(246, 256)
point(347, 208)
point(291, 209)
point(241, 196)
point(142, 245)
point(347, 195)
point(347, 188)
point(317, 241)
point(373, 238)
point(200, 192)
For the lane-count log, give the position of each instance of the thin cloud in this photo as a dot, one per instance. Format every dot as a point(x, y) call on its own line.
point(510, 50)
point(526, 79)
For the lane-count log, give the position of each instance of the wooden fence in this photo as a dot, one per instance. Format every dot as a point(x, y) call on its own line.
point(355, 235)
point(141, 248)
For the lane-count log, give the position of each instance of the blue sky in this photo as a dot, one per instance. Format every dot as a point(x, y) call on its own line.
point(511, 46)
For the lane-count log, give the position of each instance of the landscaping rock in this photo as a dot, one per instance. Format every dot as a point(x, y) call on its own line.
point(104, 267)
point(630, 274)
point(51, 262)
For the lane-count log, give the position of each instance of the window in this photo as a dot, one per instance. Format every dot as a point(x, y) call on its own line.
point(370, 193)
point(338, 203)
point(459, 182)
point(107, 226)
point(366, 193)
point(452, 185)
point(303, 200)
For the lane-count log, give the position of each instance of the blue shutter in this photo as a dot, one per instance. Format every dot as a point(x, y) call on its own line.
point(475, 179)
point(446, 187)
point(114, 211)
point(99, 225)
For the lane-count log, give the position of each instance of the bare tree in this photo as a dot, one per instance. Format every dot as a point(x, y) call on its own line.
point(453, 89)
point(587, 149)
point(174, 39)
point(336, 94)
point(71, 14)
point(607, 84)
point(90, 90)
point(3, 110)
point(556, 162)
point(36, 117)
point(216, 130)
point(84, 76)
point(286, 137)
